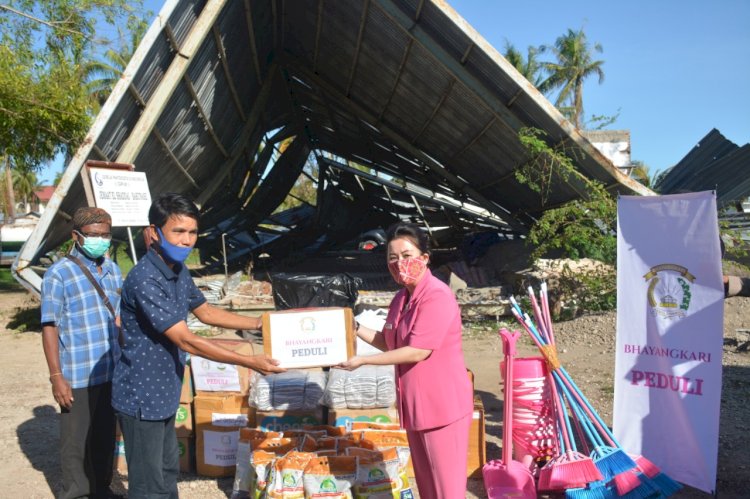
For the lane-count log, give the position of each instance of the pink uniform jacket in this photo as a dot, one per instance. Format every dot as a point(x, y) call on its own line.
point(436, 391)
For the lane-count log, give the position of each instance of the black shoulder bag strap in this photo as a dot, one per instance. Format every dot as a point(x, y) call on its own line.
point(90, 277)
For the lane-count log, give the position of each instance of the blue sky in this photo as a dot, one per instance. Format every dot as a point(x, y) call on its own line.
point(674, 69)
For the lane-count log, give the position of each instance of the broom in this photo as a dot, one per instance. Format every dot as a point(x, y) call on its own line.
point(628, 479)
point(610, 460)
point(630, 483)
point(571, 468)
point(666, 484)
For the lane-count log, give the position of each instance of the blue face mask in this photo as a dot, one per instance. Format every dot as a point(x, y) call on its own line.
point(94, 247)
point(171, 252)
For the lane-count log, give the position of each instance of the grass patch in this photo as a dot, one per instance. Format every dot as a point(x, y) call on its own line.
point(7, 282)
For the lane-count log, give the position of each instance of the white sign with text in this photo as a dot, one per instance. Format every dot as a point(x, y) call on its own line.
point(123, 194)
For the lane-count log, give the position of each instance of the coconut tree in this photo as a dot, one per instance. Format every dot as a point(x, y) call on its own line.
point(574, 63)
point(25, 184)
point(529, 66)
point(642, 173)
point(101, 75)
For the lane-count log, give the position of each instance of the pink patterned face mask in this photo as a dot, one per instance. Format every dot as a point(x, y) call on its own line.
point(407, 271)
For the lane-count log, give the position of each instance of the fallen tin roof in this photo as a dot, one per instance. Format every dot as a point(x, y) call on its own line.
point(406, 89)
point(715, 163)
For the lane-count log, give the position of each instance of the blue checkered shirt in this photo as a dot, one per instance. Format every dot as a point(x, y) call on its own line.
point(87, 335)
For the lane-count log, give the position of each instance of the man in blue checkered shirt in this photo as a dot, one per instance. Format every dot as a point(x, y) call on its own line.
point(80, 339)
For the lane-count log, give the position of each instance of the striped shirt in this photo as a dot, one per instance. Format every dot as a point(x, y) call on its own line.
point(87, 335)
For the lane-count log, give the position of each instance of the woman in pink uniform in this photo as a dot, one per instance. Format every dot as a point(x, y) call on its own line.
point(422, 337)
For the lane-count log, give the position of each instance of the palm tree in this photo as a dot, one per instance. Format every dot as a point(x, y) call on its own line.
point(102, 75)
point(25, 184)
point(641, 173)
point(529, 67)
point(574, 64)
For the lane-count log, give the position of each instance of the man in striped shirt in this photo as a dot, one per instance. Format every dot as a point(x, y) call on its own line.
point(80, 338)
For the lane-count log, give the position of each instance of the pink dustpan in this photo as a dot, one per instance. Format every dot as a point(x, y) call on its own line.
point(505, 477)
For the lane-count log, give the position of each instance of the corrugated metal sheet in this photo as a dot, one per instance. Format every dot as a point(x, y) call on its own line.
point(715, 163)
point(404, 87)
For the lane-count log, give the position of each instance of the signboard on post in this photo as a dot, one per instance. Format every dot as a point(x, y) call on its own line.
point(124, 194)
point(121, 191)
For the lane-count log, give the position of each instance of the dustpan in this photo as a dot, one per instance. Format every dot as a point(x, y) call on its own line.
point(506, 477)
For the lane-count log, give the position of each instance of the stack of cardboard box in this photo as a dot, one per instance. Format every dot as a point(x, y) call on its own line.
point(221, 409)
point(307, 339)
point(183, 422)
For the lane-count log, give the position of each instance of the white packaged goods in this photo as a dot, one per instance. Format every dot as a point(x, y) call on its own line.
point(289, 391)
point(367, 387)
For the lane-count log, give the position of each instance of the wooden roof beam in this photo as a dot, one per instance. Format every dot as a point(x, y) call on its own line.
point(457, 184)
point(228, 74)
point(360, 35)
point(163, 93)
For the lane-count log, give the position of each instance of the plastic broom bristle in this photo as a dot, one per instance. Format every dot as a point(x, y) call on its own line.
point(666, 484)
point(646, 489)
point(590, 492)
point(625, 482)
point(573, 470)
point(646, 466)
point(612, 461)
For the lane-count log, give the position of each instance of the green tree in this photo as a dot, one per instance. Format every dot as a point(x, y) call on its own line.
point(573, 65)
point(529, 66)
point(25, 184)
point(44, 46)
point(581, 228)
point(101, 75)
point(642, 173)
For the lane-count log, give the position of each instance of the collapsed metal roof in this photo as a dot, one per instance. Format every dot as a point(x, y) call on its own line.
point(406, 89)
point(715, 163)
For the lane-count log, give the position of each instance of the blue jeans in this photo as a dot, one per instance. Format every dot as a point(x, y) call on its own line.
point(152, 455)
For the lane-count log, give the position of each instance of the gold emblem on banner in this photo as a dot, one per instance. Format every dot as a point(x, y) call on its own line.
point(669, 290)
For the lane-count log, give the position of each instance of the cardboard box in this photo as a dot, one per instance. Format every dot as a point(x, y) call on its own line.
point(477, 442)
point(183, 420)
point(288, 420)
point(186, 446)
point(344, 417)
point(309, 337)
point(218, 419)
point(477, 445)
point(216, 450)
point(186, 395)
point(222, 409)
point(210, 376)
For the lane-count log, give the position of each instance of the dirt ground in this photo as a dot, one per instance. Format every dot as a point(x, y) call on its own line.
point(29, 417)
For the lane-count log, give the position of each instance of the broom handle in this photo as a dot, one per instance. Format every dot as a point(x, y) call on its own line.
point(545, 309)
point(593, 415)
point(509, 346)
point(529, 327)
point(595, 439)
point(562, 417)
point(538, 314)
